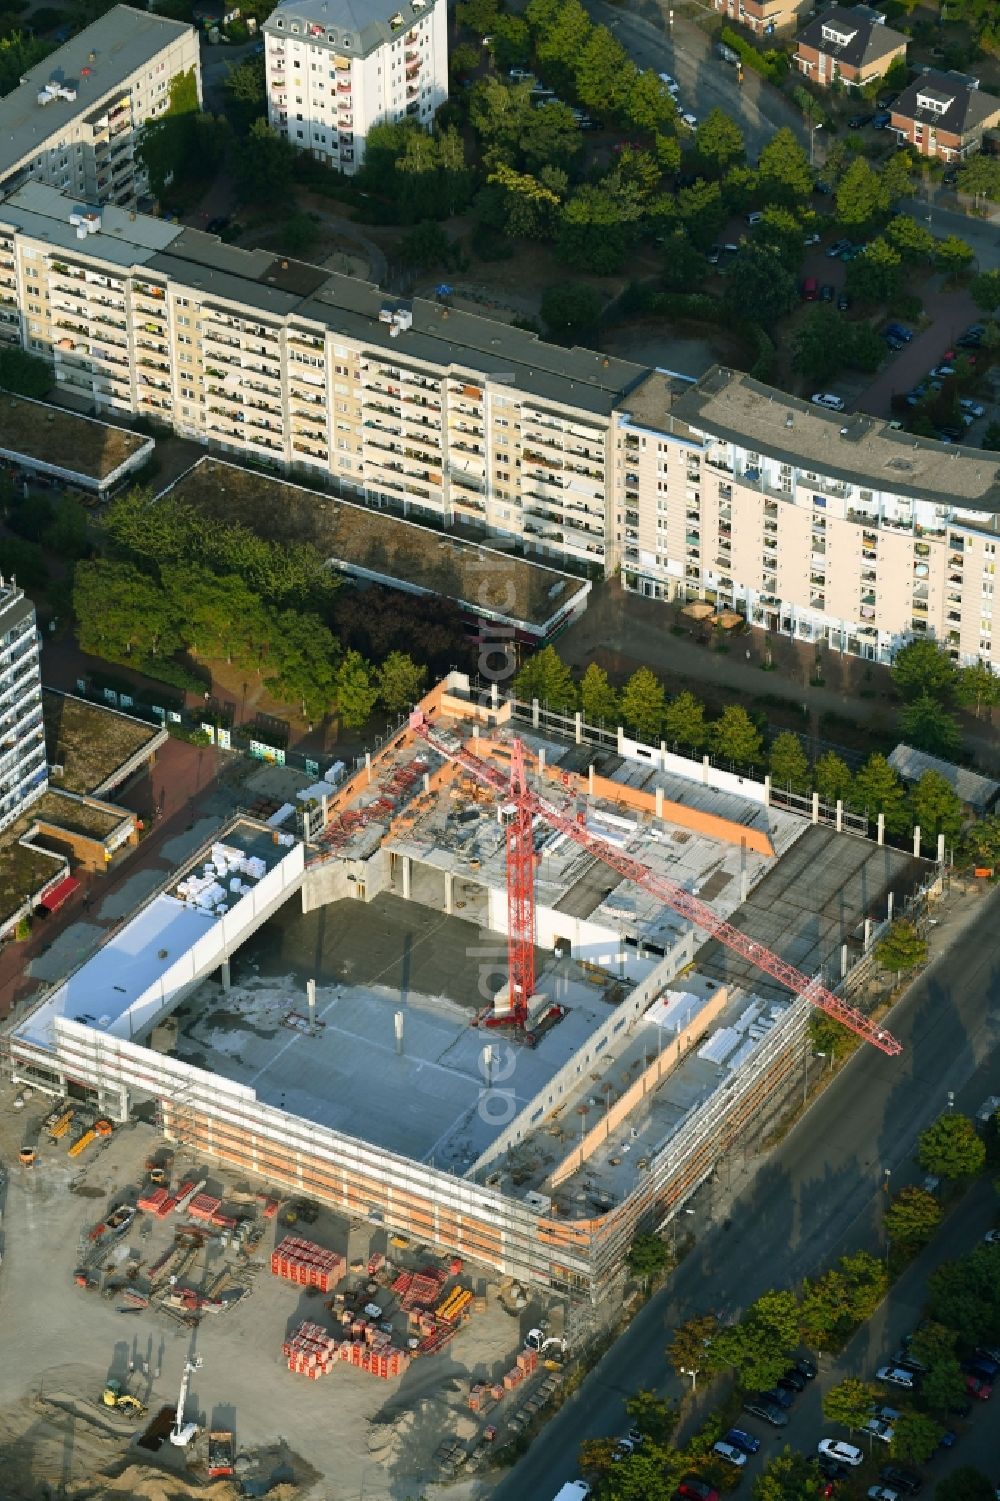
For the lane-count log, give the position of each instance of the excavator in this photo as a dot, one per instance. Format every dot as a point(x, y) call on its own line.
point(114, 1396)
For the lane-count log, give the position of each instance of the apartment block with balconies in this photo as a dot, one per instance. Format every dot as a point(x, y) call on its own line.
point(23, 766)
point(836, 530)
point(75, 119)
point(335, 68)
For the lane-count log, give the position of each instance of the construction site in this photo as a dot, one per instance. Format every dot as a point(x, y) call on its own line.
point(510, 993)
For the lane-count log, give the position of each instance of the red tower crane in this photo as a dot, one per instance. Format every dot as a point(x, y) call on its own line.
point(522, 805)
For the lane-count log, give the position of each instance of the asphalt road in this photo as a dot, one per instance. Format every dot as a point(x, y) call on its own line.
point(818, 1194)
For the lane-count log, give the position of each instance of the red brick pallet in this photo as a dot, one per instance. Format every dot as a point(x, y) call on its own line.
point(306, 1264)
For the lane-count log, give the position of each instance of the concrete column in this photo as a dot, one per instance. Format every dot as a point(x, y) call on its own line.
point(659, 802)
point(868, 934)
point(940, 853)
point(621, 741)
point(368, 765)
point(406, 877)
point(881, 829)
point(916, 842)
point(663, 753)
point(449, 891)
point(535, 713)
point(311, 1001)
point(767, 791)
point(815, 808)
point(494, 695)
point(427, 781)
point(225, 975)
point(398, 1029)
point(889, 906)
point(590, 779)
point(843, 960)
point(541, 759)
point(706, 768)
point(578, 732)
point(324, 808)
point(475, 731)
point(840, 816)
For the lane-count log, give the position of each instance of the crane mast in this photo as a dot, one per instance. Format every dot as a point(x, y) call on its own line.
point(522, 804)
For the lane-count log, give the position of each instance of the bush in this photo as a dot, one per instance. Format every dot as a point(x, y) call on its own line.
point(772, 65)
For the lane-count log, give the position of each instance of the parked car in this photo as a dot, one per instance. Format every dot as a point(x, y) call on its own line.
point(742, 1440)
point(858, 122)
point(950, 177)
point(793, 1380)
point(881, 120)
point(895, 1375)
point(827, 293)
point(693, 1489)
point(779, 1397)
point(826, 399)
point(881, 1493)
point(810, 289)
point(766, 1411)
point(837, 248)
point(978, 1387)
point(830, 1469)
point(730, 1453)
point(216, 226)
point(847, 1454)
point(880, 1429)
point(902, 1357)
point(691, 121)
point(843, 301)
point(901, 1479)
point(992, 1238)
point(899, 331)
point(521, 75)
point(885, 100)
point(622, 1450)
point(754, 217)
point(974, 409)
point(852, 252)
point(670, 82)
point(813, 238)
point(894, 344)
point(986, 1359)
point(714, 252)
point(972, 338)
point(941, 372)
point(948, 1439)
point(807, 1366)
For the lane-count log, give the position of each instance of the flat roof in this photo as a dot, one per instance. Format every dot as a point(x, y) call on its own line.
point(96, 61)
point(978, 791)
point(42, 434)
point(24, 870)
point(852, 447)
point(90, 742)
point(355, 27)
point(92, 819)
point(374, 542)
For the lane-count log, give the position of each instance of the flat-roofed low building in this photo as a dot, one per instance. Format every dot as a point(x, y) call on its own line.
point(75, 118)
point(38, 440)
point(488, 584)
point(831, 528)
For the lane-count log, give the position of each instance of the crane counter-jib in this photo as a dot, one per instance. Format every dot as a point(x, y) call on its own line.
point(665, 890)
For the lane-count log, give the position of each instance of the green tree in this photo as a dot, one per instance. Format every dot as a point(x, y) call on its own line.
point(596, 1457)
point(821, 345)
point(246, 93)
point(981, 842)
point(951, 1148)
point(829, 1036)
point(911, 239)
point(648, 1256)
point(355, 691)
point(424, 246)
point(877, 789)
point(825, 1311)
point(932, 1342)
point(926, 724)
point(875, 276)
point(654, 1417)
point(867, 1281)
point(719, 141)
point(965, 1484)
point(912, 1217)
point(780, 229)
point(598, 699)
point(977, 685)
point(859, 195)
point(760, 1344)
point(832, 778)
point(943, 1385)
point(735, 737)
point(401, 682)
point(985, 290)
point(953, 256)
point(571, 309)
point(122, 613)
point(604, 74)
point(684, 722)
point(788, 763)
point(550, 136)
point(922, 666)
point(902, 947)
point(702, 211)
point(783, 170)
point(691, 1347)
point(24, 374)
point(788, 1477)
point(851, 1402)
point(758, 280)
point(598, 229)
point(219, 617)
point(643, 704)
point(915, 1437)
point(302, 663)
point(684, 266)
point(936, 807)
point(965, 1295)
point(546, 677)
point(262, 166)
point(980, 177)
point(649, 104)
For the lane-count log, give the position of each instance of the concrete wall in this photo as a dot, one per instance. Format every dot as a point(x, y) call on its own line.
point(591, 941)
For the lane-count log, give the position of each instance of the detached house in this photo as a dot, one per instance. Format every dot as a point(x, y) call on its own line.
point(763, 17)
point(854, 45)
point(944, 115)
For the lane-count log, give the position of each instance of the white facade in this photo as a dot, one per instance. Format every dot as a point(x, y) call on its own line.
point(23, 767)
point(335, 68)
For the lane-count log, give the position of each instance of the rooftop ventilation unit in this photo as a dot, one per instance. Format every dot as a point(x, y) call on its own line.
point(56, 90)
point(398, 320)
point(86, 221)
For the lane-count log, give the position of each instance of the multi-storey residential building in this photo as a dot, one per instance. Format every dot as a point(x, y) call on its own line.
point(23, 768)
point(852, 44)
point(417, 406)
point(335, 68)
point(74, 120)
point(944, 115)
point(834, 529)
point(763, 17)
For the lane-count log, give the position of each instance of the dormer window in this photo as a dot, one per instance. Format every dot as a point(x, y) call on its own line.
point(347, 41)
point(838, 38)
point(936, 103)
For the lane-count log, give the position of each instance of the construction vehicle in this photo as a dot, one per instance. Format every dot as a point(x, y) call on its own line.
point(120, 1219)
point(114, 1396)
point(519, 808)
point(82, 1142)
point(536, 1340)
point(182, 1433)
point(221, 1452)
point(26, 1156)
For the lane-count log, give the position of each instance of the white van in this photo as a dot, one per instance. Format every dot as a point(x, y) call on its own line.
point(574, 1490)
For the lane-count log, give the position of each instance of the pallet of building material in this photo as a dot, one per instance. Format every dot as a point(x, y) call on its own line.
point(454, 1305)
point(512, 1379)
point(527, 1361)
point(376, 1262)
point(152, 1200)
point(203, 1206)
point(163, 1209)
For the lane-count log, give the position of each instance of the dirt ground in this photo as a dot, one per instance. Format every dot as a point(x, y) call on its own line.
point(370, 1437)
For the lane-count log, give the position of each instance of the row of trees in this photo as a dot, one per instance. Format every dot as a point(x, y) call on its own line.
point(643, 706)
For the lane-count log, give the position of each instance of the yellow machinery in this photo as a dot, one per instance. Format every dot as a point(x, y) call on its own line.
point(62, 1124)
point(82, 1142)
point(113, 1396)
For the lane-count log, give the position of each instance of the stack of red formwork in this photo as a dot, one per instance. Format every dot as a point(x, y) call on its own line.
point(419, 1289)
point(203, 1206)
point(310, 1351)
point(527, 1362)
point(376, 1262)
point(164, 1208)
point(152, 1200)
point(307, 1264)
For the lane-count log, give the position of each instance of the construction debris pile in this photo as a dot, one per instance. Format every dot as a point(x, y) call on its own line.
point(307, 1264)
point(313, 1352)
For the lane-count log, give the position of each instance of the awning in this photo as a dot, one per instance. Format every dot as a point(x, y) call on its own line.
point(54, 899)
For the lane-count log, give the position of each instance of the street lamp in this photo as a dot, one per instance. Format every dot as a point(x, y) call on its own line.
point(693, 1375)
point(886, 1175)
point(951, 1099)
point(812, 140)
